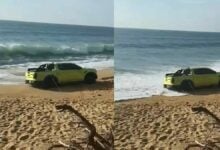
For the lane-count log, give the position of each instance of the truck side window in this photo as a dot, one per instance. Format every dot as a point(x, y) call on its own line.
point(209, 71)
point(202, 71)
point(68, 67)
point(76, 67)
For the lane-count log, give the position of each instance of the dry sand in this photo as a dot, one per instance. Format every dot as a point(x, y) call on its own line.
point(28, 119)
point(166, 123)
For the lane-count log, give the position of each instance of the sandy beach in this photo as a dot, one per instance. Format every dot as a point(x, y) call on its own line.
point(29, 120)
point(166, 123)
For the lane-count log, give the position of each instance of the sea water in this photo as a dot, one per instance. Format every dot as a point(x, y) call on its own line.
point(24, 45)
point(143, 57)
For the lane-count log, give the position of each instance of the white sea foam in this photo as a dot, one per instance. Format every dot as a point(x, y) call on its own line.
point(14, 74)
point(9, 77)
point(109, 63)
point(131, 85)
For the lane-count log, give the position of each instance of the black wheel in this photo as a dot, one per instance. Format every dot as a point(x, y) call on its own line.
point(50, 81)
point(187, 85)
point(90, 78)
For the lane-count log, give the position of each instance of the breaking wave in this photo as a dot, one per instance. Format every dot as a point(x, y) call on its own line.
point(31, 52)
point(39, 51)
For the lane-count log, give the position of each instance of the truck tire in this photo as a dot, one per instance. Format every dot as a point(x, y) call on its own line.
point(50, 81)
point(187, 85)
point(90, 78)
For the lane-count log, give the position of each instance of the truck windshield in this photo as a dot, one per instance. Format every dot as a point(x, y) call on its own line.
point(45, 67)
point(42, 67)
point(182, 72)
point(179, 72)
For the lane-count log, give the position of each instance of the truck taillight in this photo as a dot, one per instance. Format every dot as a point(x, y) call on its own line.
point(35, 76)
point(172, 81)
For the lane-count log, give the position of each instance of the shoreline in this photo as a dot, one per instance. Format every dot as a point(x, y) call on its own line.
point(204, 91)
point(102, 73)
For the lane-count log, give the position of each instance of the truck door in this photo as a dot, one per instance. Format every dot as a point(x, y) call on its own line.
point(68, 72)
point(205, 77)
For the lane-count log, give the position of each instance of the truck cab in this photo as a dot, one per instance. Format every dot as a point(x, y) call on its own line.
point(60, 73)
point(191, 78)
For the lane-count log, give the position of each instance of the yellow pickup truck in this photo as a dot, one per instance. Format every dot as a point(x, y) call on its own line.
point(190, 78)
point(53, 74)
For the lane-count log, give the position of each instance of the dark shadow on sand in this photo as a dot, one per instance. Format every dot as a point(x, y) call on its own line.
point(206, 91)
point(80, 86)
point(200, 91)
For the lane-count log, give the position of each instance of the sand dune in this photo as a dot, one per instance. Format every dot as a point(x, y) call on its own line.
point(29, 120)
point(165, 122)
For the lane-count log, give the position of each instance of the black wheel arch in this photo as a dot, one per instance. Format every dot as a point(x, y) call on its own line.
point(90, 77)
point(187, 80)
point(51, 77)
point(185, 84)
point(91, 74)
point(50, 81)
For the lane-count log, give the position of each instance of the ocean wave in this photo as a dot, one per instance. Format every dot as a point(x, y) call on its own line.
point(28, 51)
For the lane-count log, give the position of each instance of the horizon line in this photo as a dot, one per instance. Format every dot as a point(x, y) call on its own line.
point(177, 30)
point(101, 26)
point(69, 24)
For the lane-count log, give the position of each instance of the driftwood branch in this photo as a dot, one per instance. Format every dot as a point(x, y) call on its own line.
point(208, 144)
point(94, 139)
point(206, 111)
